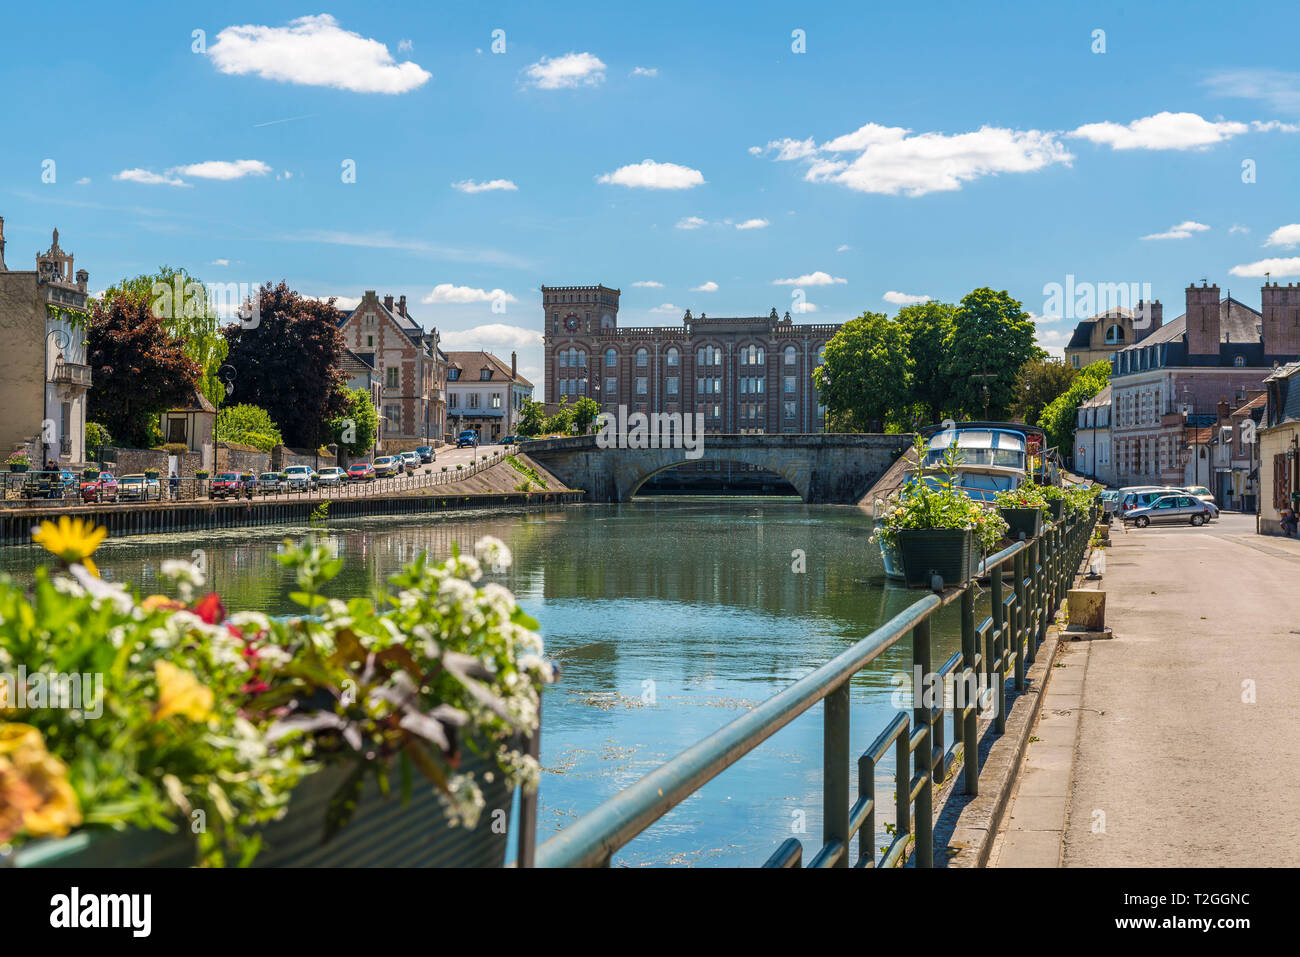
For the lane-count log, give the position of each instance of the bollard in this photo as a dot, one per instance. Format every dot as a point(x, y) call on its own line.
point(1087, 609)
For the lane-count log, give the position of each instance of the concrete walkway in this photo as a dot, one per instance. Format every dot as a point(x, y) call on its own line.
point(1175, 743)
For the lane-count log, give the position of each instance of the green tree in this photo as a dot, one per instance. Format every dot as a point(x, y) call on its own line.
point(928, 327)
point(585, 411)
point(248, 425)
point(139, 368)
point(288, 363)
point(991, 335)
point(1038, 383)
point(1060, 417)
point(180, 301)
point(562, 421)
point(532, 419)
point(356, 429)
point(866, 374)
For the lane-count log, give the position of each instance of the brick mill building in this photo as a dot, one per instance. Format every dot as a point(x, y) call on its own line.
point(1173, 383)
point(412, 370)
point(745, 374)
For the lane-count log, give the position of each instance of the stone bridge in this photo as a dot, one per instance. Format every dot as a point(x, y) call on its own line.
point(823, 468)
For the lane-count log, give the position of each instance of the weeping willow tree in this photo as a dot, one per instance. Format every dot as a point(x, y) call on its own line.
point(180, 302)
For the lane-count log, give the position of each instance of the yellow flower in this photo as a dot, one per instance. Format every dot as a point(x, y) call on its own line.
point(161, 601)
point(179, 692)
point(72, 539)
point(35, 796)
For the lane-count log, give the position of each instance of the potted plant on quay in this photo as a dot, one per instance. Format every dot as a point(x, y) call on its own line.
point(380, 730)
point(1055, 496)
point(1022, 509)
point(938, 531)
point(18, 462)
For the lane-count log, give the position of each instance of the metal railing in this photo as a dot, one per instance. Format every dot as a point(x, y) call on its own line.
point(1003, 644)
point(42, 489)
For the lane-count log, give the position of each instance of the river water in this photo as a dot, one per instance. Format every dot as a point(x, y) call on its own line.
point(668, 618)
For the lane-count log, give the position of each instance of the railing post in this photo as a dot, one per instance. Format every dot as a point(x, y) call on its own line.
point(968, 708)
point(835, 771)
point(1024, 619)
point(923, 761)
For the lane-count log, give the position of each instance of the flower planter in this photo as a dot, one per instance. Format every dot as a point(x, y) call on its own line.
point(1022, 522)
point(17, 467)
point(1057, 508)
point(383, 832)
point(947, 552)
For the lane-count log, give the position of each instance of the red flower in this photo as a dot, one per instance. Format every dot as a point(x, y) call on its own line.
point(210, 609)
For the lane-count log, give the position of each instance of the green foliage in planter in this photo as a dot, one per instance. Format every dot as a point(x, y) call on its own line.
point(1079, 500)
point(932, 501)
point(18, 458)
point(202, 474)
point(1028, 495)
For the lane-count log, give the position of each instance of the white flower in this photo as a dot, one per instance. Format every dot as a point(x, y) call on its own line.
point(493, 553)
point(465, 803)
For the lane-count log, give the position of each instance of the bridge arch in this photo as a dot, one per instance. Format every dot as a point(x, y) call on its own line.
point(797, 477)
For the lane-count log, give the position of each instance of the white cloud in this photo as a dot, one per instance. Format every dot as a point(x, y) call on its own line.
point(709, 286)
point(1162, 131)
point(648, 284)
point(1274, 267)
point(1181, 231)
point(314, 51)
point(666, 307)
point(493, 334)
point(1278, 89)
point(843, 248)
point(566, 72)
point(1274, 126)
point(1286, 236)
point(691, 222)
point(446, 292)
point(223, 169)
point(1238, 229)
point(83, 181)
point(470, 186)
point(219, 262)
point(651, 175)
point(817, 278)
point(148, 177)
point(903, 299)
point(645, 71)
point(753, 224)
point(803, 306)
point(891, 161)
point(344, 303)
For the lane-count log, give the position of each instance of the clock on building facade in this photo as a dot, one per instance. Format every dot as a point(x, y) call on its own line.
point(571, 322)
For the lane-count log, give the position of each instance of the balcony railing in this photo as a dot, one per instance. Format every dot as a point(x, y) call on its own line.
point(72, 373)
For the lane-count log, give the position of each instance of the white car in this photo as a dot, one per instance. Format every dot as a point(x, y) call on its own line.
point(386, 466)
point(331, 477)
point(300, 477)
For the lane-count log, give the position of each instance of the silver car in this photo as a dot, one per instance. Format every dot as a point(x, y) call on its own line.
point(1170, 509)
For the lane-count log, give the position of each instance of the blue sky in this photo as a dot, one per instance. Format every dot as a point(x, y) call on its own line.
point(906, 152)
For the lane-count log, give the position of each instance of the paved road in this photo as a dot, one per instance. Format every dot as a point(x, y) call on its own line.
point(1185, 749)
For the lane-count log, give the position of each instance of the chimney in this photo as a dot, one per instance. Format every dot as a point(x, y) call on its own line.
point(1147, 318)
point(1202, 320)
point(1224, 409)
point(388, 303)
point(514, 365)
point(401, 305)
point(1281, 326)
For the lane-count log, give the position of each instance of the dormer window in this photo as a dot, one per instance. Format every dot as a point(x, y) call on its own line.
point(453, 375)
point(484, 374)
point(1114, 335)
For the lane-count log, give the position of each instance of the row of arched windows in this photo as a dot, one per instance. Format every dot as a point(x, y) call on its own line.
point(705, 356)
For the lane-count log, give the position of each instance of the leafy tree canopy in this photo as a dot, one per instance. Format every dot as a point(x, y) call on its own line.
point(248, 425)
point(585, 411)
point(1038, 383)
point(287, 362)
point(866, 373)
point(1060, 416)
point(140, 369)
point(358, 427)
point(992, 336)
point(532, 419)
point(928, 327)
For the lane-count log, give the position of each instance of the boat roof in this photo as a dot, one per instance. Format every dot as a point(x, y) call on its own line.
point(979, 439)
point(1020, 427)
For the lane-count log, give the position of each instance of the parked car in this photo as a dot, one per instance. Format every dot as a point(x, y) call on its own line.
point(272, 483)
point(1109, 502)
point(410, 460)
point(331, 477)
point(300, 477)
point(138, 488)
point(1169, 509)
point(227, 484)
point(386, 466)
point(1140, 496)
point(1201, 492)
point(510, 440)
point(102, 489)
point(466, 437)
point(426, 453)
point(361, 472)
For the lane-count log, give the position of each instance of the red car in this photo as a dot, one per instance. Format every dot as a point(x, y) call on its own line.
point(361, 472)
point(102, 489)
point(225, 484)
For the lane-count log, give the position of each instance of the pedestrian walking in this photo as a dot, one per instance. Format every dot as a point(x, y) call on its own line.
point(175, 484)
